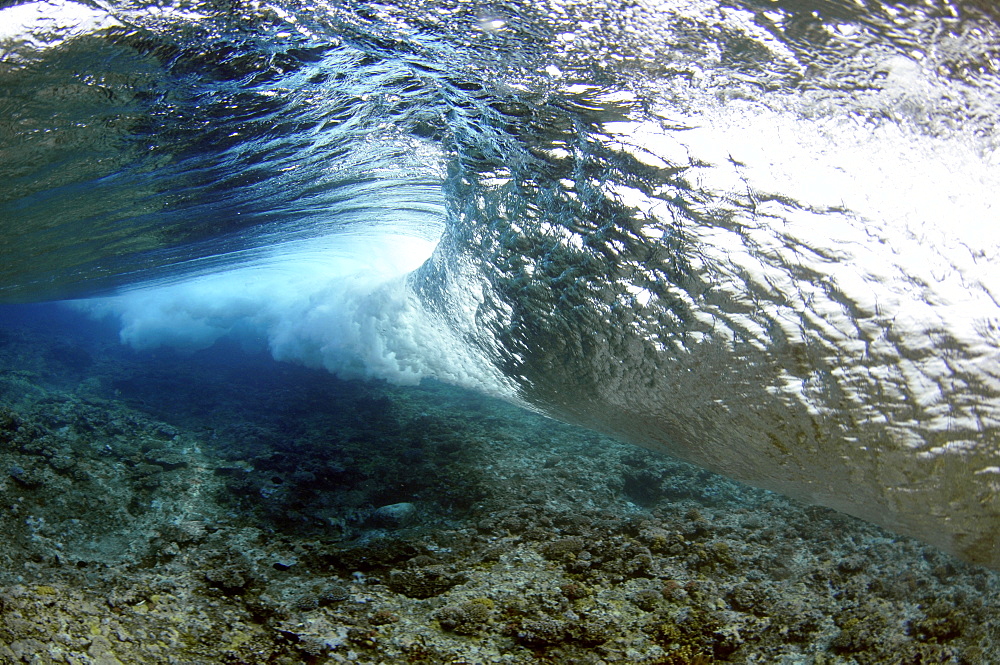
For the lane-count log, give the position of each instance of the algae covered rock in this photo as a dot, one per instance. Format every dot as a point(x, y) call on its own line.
point(467, 618)
point(424, 581)
point(395, 515)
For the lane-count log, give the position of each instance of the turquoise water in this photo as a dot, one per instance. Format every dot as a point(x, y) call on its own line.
point(760, 236)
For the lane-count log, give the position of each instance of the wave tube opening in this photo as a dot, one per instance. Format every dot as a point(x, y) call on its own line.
point(761, 236)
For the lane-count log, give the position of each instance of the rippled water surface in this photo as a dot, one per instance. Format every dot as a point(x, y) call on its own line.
point(762, 235)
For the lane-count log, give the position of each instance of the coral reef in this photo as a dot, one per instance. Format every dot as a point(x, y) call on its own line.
point(303, 519)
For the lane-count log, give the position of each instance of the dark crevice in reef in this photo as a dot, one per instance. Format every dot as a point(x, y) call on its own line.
point(223, 508)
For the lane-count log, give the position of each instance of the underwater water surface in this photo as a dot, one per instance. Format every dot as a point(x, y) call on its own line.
point(760, 236)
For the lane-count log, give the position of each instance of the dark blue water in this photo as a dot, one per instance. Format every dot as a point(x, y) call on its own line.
point(759, 235)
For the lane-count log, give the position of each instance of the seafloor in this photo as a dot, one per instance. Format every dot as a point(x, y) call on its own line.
point(224, 508)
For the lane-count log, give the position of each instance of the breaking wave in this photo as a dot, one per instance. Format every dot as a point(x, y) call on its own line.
point(759, 235)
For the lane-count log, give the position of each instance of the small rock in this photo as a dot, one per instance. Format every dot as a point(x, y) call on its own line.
point(167, 459)
point(395, 515)
point(30, 479)
point(334, 594)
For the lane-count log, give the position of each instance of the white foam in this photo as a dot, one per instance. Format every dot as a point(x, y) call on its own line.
point(344, 305)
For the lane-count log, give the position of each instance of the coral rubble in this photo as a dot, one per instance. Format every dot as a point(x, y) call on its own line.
point(223, 508)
